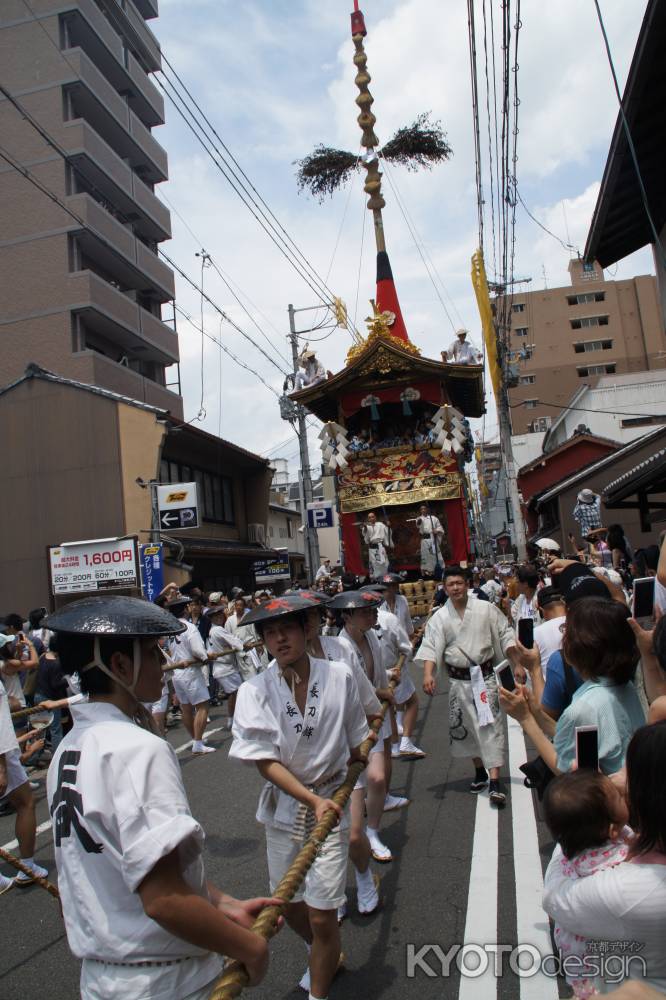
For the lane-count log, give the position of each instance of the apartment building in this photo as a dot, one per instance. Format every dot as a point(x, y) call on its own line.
point(560, 338)
point(81, 286)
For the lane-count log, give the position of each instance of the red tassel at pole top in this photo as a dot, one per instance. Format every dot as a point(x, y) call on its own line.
point(357, 21)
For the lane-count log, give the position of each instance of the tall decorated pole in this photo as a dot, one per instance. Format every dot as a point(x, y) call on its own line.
point(387, 297)
point(325, 170)
point(366, 121)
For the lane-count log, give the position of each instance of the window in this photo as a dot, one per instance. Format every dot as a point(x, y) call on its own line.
point(290, 528)
point(525, 353)
point(521, 331)
point(540, 424)
point(596, 370)
point(586, 321)
point(531, 404)
point(588, 266)
point(643, 421)
point(585, 297)
point(527, 379)
point(214, 492)
point(518, 307)
point(592, 345)
point(509, 512)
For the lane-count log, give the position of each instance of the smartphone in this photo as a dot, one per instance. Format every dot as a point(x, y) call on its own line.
point(643, 599)
point(587, 747)
point(526, 632)
point(504, 675)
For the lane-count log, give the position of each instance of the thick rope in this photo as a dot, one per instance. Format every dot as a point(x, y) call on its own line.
point(235, 978)
point(18, 864)
point(182, 664)
point(30, 711)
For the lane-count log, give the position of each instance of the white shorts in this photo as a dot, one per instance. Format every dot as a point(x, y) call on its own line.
point(191, 979)
point(160, 706)
point(405, 688)
point(230, 682)
point(16, 774)
point(326, 880)
point(190, 686)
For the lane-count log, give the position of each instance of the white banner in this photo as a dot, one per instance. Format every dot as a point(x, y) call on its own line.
point(102, 564)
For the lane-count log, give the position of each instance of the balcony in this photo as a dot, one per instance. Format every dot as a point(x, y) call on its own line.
point(104, 170)
point(127, 19)
point(117, 317)
point(119, 252)
point(96, 369)
point(95, 100)
point(147, 8)
point(87, 28)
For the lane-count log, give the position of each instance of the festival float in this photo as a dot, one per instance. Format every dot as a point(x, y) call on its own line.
point(395, 431)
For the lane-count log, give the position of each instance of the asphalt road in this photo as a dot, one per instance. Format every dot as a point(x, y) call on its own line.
point(463, 874)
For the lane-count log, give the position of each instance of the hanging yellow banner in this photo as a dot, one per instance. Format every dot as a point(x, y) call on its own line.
point(480, 283)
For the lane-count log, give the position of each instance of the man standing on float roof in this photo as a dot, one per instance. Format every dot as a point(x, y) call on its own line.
point(137, 908)
point(299, 722)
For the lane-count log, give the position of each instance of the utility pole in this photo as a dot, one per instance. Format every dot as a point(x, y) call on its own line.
point(305, 482)
point(504, 420)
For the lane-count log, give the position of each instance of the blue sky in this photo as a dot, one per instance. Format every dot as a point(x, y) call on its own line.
point(276, 78)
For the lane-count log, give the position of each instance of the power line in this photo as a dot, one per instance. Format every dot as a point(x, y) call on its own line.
point(475, 116)
point(256, 206)
point(582, 409)
point(63, 153)
point(218, 310)
point(567, 246)
point(630, 142)
point(29, 176)
point(226, 350)
point(243, 173)
point(229, 283)
point(415, 237)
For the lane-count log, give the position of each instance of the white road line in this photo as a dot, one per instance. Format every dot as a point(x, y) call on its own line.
point(481, 919)
point(209, 732)
point(44, 827)
point(531, 921)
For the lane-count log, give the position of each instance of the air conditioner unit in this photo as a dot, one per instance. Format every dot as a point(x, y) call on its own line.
point(256, 533)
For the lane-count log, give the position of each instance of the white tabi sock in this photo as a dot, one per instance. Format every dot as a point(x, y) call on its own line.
point(363, 879)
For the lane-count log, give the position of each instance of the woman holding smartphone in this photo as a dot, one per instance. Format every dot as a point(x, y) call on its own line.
point(600, 645)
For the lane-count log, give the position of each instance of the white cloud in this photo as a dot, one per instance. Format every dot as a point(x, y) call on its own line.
point(277, 78)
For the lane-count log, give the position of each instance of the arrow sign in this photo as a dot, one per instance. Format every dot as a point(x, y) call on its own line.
point(178, 507)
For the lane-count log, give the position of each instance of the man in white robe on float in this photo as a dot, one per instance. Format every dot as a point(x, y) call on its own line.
point(377, 537)
point(431, 531)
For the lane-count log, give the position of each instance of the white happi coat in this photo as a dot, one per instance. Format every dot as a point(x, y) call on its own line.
point(118, 805)
point(268, 725)
point(431, 532)
point(395, 642)
point(188, 646)
point(338, 648)
point(379, 678)
point(251, 661)
point(377, 534)
point(401, 611)
point(221, 641)
point(484, 634)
